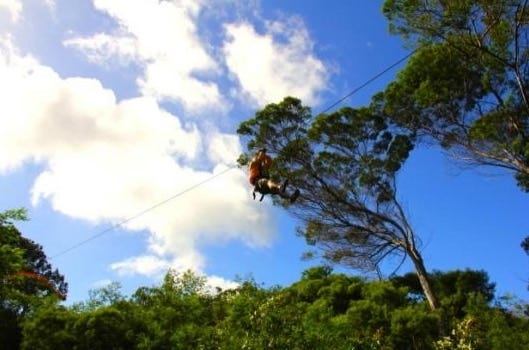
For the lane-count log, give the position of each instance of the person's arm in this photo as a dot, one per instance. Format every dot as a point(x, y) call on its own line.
point(267, 162)
point(251, 164)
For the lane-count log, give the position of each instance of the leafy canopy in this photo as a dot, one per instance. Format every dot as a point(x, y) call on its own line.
point(345, 164)
point(466, 85)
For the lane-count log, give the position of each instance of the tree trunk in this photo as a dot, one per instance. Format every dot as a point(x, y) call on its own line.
point(423, 278)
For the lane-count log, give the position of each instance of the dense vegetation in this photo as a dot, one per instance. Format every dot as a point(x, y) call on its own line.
point(27, 280)
point(322, 310)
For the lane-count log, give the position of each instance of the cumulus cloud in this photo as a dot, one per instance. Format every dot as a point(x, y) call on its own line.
point(160, 36)
point(275, 64)
point(179, 65)
point(223, 147)
point(105, 160)
point(72, 116)
point(12, 7)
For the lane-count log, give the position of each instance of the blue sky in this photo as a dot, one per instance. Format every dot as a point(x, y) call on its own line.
point(110, 107)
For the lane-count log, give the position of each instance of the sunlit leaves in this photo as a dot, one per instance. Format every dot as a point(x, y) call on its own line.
point(466, 86)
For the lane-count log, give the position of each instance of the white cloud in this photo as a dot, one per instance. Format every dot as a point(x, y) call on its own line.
point(102, 48)
point(223, 148)
point(109, 160)
point(162, 37)
point(51, 4)
point(148, 265)
point(214, 281)
point(67, 117)
point(12, 7)
point(156, 265)
point(276, 64)
point(178, 65)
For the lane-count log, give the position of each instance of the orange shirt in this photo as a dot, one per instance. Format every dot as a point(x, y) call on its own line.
point(254, 172)
point(258, 168)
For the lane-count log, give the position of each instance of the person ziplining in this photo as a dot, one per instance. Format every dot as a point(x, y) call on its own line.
point(259, 178)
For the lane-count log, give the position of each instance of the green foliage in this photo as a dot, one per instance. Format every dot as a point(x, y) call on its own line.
point(322, 310)
point(486, 327)
point(462, 337)
point(104, 328)
point(27, 280)
point(7, 217)
point(466, 84)
point(455, 290)
point(243, 160)
point(11, 254)
point(105, 296)
point(525, 245)
point(345, 164)
point(451, 283)
point(178, 313)
point(413, 327)
point(285, 119)
point(20, 258)
point(50, 328)
point(11, 261)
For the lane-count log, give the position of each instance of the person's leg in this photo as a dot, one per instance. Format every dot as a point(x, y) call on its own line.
point(277, 189)
point(266, 186)
point(294, 196)
point(253, 182)
point(273, 187)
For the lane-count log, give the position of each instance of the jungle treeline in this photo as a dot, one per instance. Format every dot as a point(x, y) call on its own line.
point(322, 310)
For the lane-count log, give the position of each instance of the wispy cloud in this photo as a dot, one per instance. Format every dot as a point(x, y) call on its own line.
point(105, 49)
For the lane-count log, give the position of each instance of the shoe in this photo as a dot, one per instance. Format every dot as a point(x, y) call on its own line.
point(284, 186)
point(294, 196)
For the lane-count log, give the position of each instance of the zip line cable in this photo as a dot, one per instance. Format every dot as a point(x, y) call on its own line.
point(354, 91)
point(192, 187)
